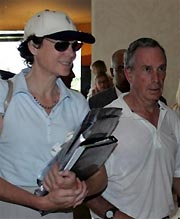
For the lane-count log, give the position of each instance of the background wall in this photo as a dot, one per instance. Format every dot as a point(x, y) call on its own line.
point(116, 23)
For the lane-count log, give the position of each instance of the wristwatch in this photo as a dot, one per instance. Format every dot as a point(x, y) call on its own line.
point(109, 214)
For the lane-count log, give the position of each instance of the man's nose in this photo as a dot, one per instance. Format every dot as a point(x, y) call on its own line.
point(155, 75)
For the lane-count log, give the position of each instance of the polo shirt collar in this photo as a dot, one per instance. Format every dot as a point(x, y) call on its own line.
point(20, 85)
point(128, 112)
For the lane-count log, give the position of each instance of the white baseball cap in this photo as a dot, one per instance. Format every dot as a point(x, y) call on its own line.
point(55, 25)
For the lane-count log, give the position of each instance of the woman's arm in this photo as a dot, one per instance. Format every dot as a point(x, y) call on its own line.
point(70, 193)
point(95, 184)
point(55, 180)
point(57, 199)
point(65, 189)
point(65, 181)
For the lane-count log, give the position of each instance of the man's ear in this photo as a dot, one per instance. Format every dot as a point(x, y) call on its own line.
point(32, 47)
point(128, 74)
point(111, 71)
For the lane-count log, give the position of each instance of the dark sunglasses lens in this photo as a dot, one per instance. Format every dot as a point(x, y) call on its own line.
point(76, 46)
point(61, 46)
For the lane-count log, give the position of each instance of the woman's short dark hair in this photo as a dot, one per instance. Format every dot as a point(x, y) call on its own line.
point(140, 43)
point(24, 49)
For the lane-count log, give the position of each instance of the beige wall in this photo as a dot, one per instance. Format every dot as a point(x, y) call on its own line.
point(116, 23)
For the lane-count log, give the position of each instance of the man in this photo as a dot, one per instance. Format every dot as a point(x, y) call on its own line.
point(146, 163)
point(121, 84)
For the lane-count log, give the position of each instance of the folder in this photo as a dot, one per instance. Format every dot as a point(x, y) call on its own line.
point(90, 146)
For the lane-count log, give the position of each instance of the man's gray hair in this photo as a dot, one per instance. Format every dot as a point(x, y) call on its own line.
point(140, 43)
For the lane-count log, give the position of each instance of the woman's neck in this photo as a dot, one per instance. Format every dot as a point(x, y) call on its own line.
point(44, 90)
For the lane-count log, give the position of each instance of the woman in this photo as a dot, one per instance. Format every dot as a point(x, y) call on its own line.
point(42, 113)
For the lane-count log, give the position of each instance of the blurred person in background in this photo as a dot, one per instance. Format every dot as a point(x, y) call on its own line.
point(101, 83)
point(97, 67)
point(120, 82)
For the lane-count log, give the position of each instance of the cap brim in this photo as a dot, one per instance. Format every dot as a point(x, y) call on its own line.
point(71, 35)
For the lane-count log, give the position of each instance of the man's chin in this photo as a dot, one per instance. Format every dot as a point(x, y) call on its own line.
point(155, 99)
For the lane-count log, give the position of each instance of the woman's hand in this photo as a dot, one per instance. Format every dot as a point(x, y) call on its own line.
point(56, 179)
point(65, 189)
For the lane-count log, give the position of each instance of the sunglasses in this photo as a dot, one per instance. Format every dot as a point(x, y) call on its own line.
point(62, 46)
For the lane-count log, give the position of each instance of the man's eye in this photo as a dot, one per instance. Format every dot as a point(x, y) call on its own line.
point(147, 68)
point(162, 69)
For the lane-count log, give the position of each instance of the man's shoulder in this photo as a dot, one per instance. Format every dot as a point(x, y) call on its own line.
point(103, 98)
